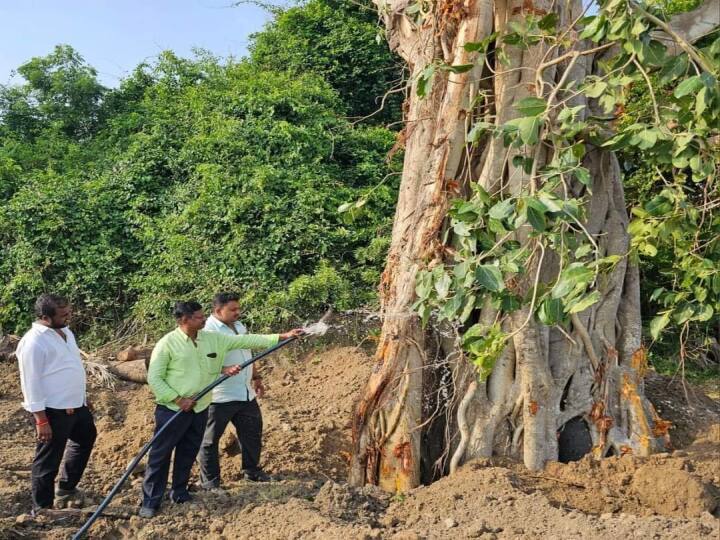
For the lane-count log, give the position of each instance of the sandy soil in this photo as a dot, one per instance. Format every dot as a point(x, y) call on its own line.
point(307, 413)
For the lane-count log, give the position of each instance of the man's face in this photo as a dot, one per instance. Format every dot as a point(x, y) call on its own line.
point(229, 313)
point(61, 318)
point(196, 322)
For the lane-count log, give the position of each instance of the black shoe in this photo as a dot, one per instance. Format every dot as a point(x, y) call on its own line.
point(258, 476)
point(181, 498)
point(147, 512)
point(60, 492)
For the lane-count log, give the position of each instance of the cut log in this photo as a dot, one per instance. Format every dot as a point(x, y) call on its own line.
point(133, 370)
point(134, 353)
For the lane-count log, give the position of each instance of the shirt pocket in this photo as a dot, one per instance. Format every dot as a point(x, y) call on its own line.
point(211, 361)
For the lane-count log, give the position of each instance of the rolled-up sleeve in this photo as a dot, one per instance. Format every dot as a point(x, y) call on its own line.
point(31, 359)
point(157, 371)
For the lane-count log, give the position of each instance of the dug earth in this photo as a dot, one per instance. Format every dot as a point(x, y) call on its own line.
point(307, 437)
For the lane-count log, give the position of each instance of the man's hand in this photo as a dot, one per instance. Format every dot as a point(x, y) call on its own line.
point(231, 370)
point(295, 332)
point(259, 388)
point(185, 404)
point(44, 432)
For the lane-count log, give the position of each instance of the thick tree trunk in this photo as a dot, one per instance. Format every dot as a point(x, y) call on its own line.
point(545, 377)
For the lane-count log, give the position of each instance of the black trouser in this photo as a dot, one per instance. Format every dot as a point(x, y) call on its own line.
point(247, 419)
point(184, 436)
point(72, 435)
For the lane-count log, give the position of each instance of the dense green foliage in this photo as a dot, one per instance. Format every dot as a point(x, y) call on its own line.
point(336, 39)
point(192, 176)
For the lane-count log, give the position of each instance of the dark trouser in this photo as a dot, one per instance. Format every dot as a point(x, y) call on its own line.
point(184, 436)
point(72, 435)
point(247, 419)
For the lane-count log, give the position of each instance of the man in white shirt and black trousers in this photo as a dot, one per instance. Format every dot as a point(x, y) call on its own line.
point(52, 378)
point(232, 401)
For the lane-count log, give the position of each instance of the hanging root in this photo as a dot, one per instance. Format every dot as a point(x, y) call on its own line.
point(463, 426)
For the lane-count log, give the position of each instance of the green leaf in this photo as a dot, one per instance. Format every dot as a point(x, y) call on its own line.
point(424, 80)
point(647, 138)
point(489, 277)
point(688, 86)
point(638, 28)
point(496, 226)
point(583, 303)
point(468, 307)
point(596, 89)
point(654, 53)
point(423, 284)
point(536, 214)
point(502, 210)
point(658, 323)
point(531, 106)
point(674, 69)
point(529, 128)
point(656, 293)
point(478, 130)
point(442, 285)
point(574, 276)
point(648, 249)
point(593, 27)
point(524, 162)
point(583, 176)
point(451, 307)
point(549, 22)
point(583, 250)
point(704, 314)
point(550, 311)
point(701, 100)
point(683, 313)
point(424, 311)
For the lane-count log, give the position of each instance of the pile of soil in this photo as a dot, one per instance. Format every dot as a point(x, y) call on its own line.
point(307, 442)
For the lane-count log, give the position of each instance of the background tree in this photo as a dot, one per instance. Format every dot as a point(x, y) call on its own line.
point(339, 40)
point(192, 175)
point(511, 230)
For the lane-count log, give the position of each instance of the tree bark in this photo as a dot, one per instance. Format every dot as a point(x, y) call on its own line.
point(544, 377)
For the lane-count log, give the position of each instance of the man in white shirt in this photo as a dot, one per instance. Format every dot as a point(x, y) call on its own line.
point(52, 378)
point(232, 401)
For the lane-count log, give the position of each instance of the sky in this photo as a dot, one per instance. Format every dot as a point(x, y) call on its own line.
point(114, 36)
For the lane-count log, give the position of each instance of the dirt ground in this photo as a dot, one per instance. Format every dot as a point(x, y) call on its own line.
point(306, 414)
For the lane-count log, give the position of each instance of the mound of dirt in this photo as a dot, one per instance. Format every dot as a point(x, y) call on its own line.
point(672, 492)
point(306, 443)
point(483, 501)
point(350, 503)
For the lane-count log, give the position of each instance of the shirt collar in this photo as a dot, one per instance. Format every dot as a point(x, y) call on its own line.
point(217, 323)
point(41, 327)
point(184, 336)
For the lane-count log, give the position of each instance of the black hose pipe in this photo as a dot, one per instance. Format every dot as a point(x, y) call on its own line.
point(84, 529)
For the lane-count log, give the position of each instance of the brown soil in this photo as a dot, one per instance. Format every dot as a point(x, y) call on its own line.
point(306, 414)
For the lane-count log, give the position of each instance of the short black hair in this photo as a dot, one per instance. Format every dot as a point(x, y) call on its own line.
point(185, 309)
point(47, 304)
point(223, 298)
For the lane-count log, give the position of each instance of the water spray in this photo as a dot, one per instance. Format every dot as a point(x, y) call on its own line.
point(318, 328)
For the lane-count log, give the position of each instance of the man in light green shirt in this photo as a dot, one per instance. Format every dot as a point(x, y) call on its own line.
point(184, 362)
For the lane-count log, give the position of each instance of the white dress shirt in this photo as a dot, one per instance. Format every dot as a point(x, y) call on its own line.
point(51, 371)
point(238, 387)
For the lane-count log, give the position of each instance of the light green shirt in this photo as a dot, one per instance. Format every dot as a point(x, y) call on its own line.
point(180, 368)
